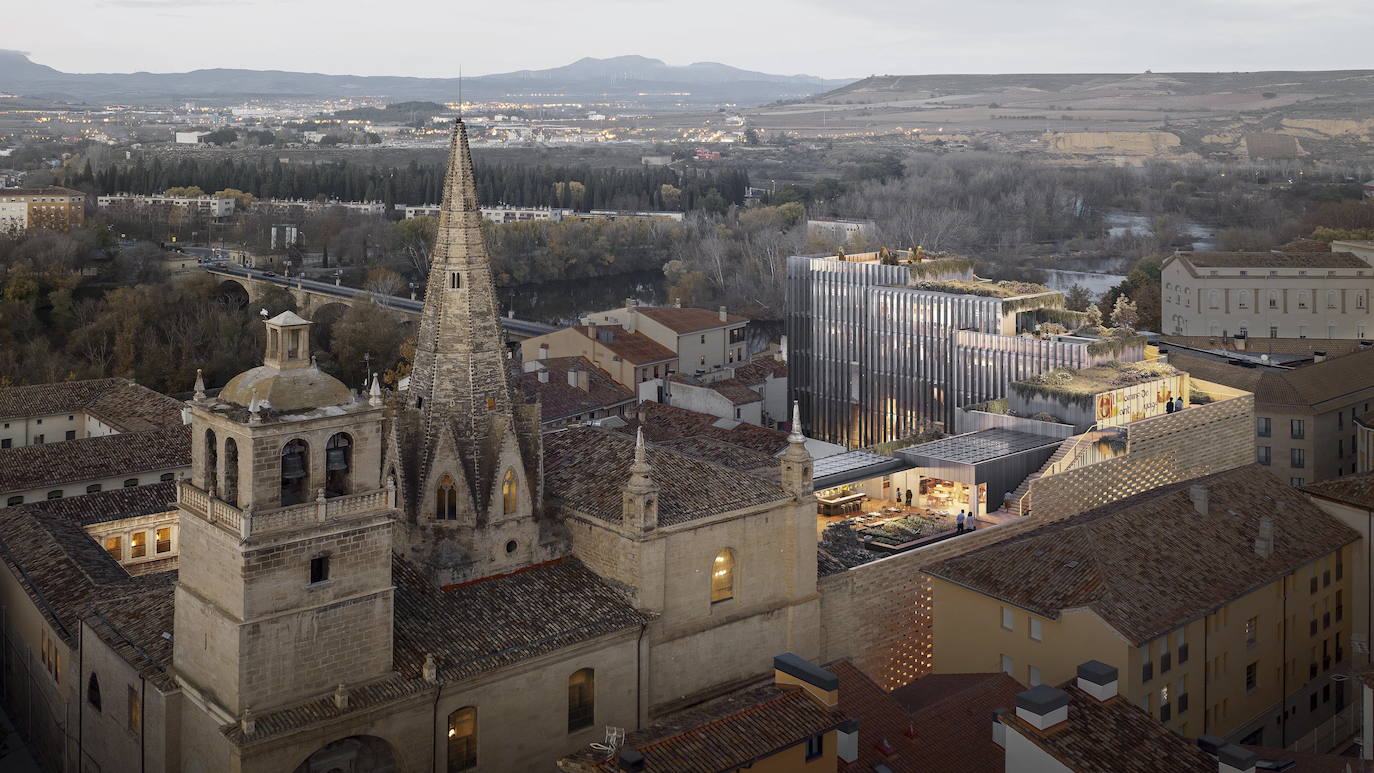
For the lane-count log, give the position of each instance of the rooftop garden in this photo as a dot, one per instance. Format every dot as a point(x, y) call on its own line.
point(1081, 385)
point(982, 287)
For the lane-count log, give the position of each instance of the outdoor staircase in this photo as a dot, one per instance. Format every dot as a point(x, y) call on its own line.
point(1062, 459)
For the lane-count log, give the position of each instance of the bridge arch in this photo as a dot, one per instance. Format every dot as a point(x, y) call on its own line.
point(234, 293)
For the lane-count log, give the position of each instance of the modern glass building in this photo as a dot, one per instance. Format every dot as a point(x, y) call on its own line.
point(878, 352)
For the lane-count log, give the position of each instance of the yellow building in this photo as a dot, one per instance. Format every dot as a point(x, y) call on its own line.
point(51, 207)
point(1221, 599)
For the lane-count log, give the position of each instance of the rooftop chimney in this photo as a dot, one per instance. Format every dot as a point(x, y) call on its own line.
point(629, 761)
point(1198, 493)
point(1210, 743)
point(1234, 759)
point(543, 375)
point(722, 313)
point(1098, 680)
point(1239, 341)
point(1318, 357)
point(847, 740)
point(1043, 706)
point(999, 730)
point(1264, 537)
point(543, 351)
point(822, 685)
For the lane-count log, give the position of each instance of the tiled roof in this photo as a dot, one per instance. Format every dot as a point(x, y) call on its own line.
point(1305, 386)
point(733, 732)
point(687, 319)
point(585, 468)
point(631, 347)
point(667, 422)
point(1113, 736)
point(1148, 563)
point(737, 392)
point(1334, 347)
point(112, 505)
point(106, 456)
point(67, 575)
point(46, 190)
point(118, 402)
point(1274, 259)
point(558, 399)
point(1357, 489)
point(760, 370)
point(732, 456)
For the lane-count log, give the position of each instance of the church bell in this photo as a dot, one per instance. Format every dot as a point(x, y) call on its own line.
point(292, 466)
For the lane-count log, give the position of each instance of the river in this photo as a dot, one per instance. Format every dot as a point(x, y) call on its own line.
point(1095, 283)
point(1118, 223)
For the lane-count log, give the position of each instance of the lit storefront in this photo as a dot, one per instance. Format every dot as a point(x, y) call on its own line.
point(973, 472)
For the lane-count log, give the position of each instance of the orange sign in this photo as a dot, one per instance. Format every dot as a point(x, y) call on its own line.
point(1106, 407)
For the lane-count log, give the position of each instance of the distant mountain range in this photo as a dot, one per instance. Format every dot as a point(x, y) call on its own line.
point(628, 78)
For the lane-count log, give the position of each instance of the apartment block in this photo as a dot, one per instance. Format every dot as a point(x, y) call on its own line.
point(208, 206)
point(51, 207)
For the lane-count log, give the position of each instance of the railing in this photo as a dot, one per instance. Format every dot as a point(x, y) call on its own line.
point(246, 522)
point(1066, 453)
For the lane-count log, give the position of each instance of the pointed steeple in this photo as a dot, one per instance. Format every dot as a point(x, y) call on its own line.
point(796, 460)
point(200, 386)
point(460, 351)
point(639, 502)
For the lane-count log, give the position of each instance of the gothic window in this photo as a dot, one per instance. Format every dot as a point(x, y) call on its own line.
point(93, 692)
point(446, 500)
point(338, 462)
point(211, 461)
point(509, 488)
point(455, 281)
point(581, 699)
point(231, 472)
point(723, 576)
point(295, 472)
point(462, 739)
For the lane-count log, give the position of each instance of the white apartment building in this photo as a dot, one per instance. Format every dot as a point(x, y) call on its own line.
point(206, 205)
point(1267, 294)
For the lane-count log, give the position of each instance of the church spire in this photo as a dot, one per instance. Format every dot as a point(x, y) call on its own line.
point(460, 351)
point(795, 459)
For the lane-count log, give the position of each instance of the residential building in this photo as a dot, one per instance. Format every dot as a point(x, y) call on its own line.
point(51, 207)
point(207, 206)
point(841, 230)
point(188, 138)
point(1360, 248)
point(630, 357)
point(81, 437)
point(1222, 598)
point(571, 390)
point(1306, 417)
point(755, 393)
point(705, 341)
point(1272, 294)
point(1364, 461)
point(881, 351)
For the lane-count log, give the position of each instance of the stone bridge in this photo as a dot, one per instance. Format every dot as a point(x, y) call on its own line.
point(312, 297)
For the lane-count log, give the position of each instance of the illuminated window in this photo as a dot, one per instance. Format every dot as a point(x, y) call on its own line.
point(135, 711)
point(138, 544)
point(491, 403)
point(581, 699)
point(462, 739)
point(509, 488)
point(164, 539)
point(115, 547)
point(723, 576)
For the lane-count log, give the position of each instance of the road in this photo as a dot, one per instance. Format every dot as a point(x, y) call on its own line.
point(520, 327)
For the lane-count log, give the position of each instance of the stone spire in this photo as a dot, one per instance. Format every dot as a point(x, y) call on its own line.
point(639, 502)
point(460, 351)
point(796, 460)
point(200, 386)
point(374, 395)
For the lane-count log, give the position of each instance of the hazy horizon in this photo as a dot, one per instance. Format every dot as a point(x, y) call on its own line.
point(822, 38)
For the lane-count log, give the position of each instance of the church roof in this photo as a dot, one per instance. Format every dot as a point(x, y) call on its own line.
point(584, 468)
point(286, 391)
point(94, 458)
point(287, 318)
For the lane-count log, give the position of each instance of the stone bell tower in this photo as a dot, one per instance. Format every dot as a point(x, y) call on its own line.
point(284, 591)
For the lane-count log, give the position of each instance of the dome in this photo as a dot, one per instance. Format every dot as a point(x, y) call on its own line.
point(286, 390)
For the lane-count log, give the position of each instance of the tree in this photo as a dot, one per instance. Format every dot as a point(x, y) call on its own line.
point(223, 136)
point(241, 200)
point(365, 332)
point(1094, 315)
point(189, 192)
point(1124, 314)
point(1078, 298)
point(384, 281)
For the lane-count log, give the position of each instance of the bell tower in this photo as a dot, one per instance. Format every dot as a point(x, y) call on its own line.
point(284, 591)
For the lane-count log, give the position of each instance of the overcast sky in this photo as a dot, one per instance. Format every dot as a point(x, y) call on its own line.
point(832, 38)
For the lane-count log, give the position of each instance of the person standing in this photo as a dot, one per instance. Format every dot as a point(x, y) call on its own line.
point(959, 523)
point(971, 522)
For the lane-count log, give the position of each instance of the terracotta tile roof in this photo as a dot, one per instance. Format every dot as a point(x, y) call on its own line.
point(631, 347)
point(118, 402)
point(558, 399)
point(666, 422)
point(1334, 347)
point(112, 505)
point(107, 456)
point(1273, 259)
point(1357, 489)
point(585, 467)
point(732, 732)
point(737, 392)
point(1148, 563)
point(1306, 386)
point(1112, 736)
point(687, 319)
point(68, 575)
point(732, 456)
point(760, 370)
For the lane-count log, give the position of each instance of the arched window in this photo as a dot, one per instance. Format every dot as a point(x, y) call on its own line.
point(446, 500)
point(1213, 297)
point(338, 462)
point(581, 699)
point(231, 472)
point(93, 692)
point(510, 487)
point(1273, 299)
point(211, 461)
point(295, 472)
point(462, 739)
point(723, 576)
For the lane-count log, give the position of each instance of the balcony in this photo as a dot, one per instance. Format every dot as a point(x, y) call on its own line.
point(247, 522)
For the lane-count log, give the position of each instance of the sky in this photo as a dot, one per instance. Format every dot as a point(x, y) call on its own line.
point(829, 38)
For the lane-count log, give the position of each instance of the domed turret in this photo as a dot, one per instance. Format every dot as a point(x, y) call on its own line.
point(288, 380)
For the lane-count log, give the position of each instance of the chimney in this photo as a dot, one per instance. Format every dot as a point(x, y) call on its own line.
point(1043, 706)
point(1234, 759)
point(1097, 679)
point(1239, 342)
point(1264, 537)
point(1198, 493)
point(543, 375)
point(820, 684)
point(847, 740)
point(722, 313)
point(629, 761)
point(543, 351)
point(999, 730)
point(1318, 357)
point(572, 376)
point(1210, 743)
